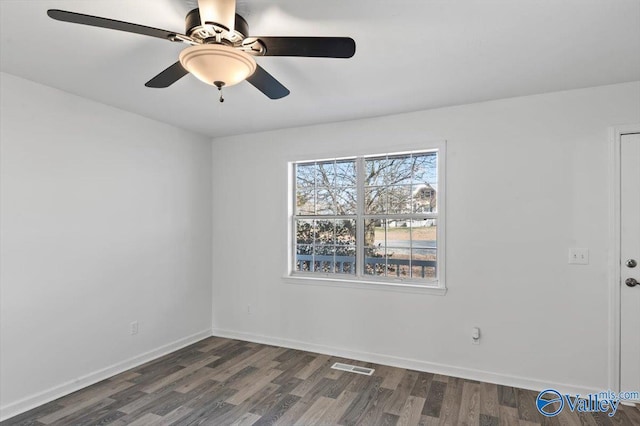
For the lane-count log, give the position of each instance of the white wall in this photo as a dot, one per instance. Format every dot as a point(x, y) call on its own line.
point(527, 179)
point(105, 219)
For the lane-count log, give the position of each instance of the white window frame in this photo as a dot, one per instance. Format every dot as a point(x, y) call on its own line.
point(436, 287)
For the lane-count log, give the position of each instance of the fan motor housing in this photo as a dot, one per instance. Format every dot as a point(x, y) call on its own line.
point(193, 23)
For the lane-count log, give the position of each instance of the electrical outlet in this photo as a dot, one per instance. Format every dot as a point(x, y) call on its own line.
point(578, 256)
point(133, 328)
point(475, 335)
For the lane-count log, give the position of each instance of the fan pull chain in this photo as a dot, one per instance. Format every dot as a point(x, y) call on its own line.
point(219, 85)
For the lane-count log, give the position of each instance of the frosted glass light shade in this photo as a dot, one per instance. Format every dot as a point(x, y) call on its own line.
point(217, 62)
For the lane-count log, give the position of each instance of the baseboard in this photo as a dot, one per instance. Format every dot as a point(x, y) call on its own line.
point(30, 402)
point(412, 364)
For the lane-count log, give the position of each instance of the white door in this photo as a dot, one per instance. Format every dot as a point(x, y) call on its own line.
point(630, 272)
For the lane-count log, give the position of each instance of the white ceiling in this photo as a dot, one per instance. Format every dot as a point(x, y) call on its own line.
point(410, 55)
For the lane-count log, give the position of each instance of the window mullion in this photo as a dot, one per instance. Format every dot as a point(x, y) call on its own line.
point(360, 250)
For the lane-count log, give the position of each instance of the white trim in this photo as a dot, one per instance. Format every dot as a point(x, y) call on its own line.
point(14, 408)
point(412, 364)
point(332, 281)
point(615, 135)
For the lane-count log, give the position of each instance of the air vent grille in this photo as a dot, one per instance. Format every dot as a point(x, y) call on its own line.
point(353, 368)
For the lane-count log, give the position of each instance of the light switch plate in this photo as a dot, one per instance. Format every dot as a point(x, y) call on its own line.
point(578, 256)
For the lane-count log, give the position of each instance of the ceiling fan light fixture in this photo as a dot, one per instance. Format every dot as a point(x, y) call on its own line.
point(218, 63)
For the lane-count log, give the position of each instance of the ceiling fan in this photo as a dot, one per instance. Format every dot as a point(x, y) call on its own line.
point(221, 53)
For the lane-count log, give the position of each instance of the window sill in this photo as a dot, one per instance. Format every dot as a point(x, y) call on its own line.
point(367, 285)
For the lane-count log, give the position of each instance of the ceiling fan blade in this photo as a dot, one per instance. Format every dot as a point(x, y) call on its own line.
point(267, 84)
point(221, 12)
point(315, 47)
point(167, 77)
point(112, 24)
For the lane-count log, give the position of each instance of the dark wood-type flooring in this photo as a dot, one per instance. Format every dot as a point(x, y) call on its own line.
point(229, 382)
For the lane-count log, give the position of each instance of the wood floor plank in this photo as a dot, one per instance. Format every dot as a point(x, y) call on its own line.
point(489, 400)
point(278, 411)
point(247, 391)
point(470, 405)
point(486, 420)
point(451, 402)
point(392, 377)
point(388, 420)
point(306, 372)
point(402, 392)
point(335, 387)
point(194, 380)
point(148, 419)
point(212, 343)
point(526, 402)
point(80, 416)
point(374, 411)
point(422, 385)
point(338, 408)
point(507, 396)
point(309, 383)
point(247, 419)
point(83, 402)
point(633, 413)
point(175, 415)
point(265, 403)
point(567, 418)
point(30, 418)
point(156, 373)
point(434, 398)
point(105, 388)
point(429, 421)
point(315, 412)
point(223, 375)
point(411, 411)
point(164, 381)
point(508, 416)
point(362, 400)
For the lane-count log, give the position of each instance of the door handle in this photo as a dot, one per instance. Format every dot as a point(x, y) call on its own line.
point(631, 282)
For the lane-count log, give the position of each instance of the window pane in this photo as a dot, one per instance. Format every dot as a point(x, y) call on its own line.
point(375, 244)
point(305, 201)
point(398, 170)
point(326, 174)
point(345, 173)
point(425, 183)
point(425, 168)
point(423, 198)
point(304, 257)
point(375, 171)
point(345, 200)
point(346, 232)
point(398, 248)
point(305, 175)
point(305, 231)
point(375, 200)
point(424, 249)
point(325, 232)
point(399, 199)
point(325, 203)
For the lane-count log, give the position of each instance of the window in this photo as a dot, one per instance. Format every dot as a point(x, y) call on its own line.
point(372, 218)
